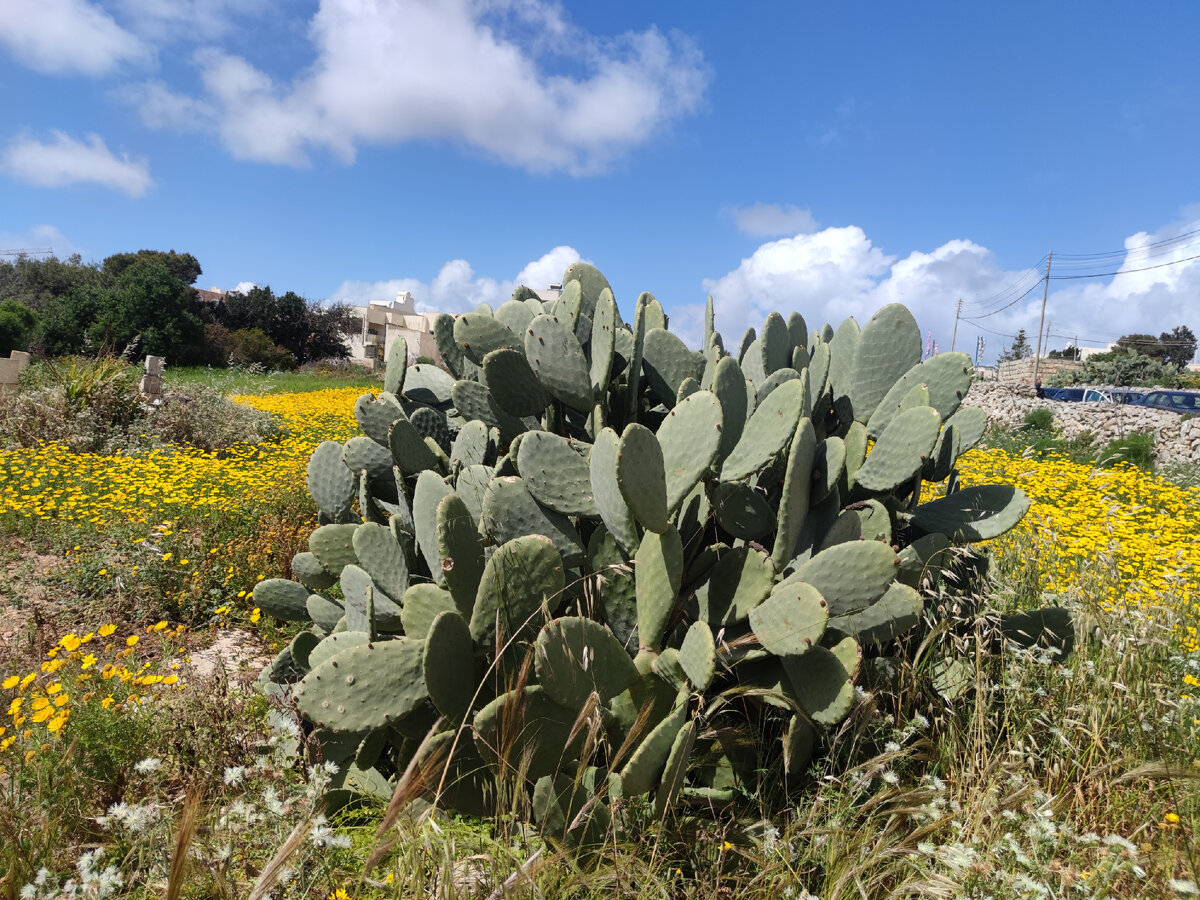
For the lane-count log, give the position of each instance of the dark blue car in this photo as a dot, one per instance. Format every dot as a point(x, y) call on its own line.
point(1175, 401)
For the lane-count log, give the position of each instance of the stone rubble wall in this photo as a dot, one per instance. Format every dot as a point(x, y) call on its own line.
point(1175, 440)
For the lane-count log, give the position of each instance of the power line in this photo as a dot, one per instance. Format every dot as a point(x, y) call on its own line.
point(1166, 242)
point(1032, 288)
point(1124, 271)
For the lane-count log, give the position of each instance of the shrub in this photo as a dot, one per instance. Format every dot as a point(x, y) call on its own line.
point(248, 346)
point(17, 325)
point(204, 418)
point(1040, 419)
point(1137, 449)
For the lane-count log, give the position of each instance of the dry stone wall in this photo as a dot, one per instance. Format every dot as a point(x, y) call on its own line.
point(1175, 440)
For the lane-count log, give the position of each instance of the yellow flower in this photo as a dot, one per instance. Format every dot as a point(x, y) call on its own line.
point(55, 725)
point(27, 680)
point(131, 640)
point(69, 643)
point(61, 700)
point(107, 702)
point(15, 705)
point(256, 614)
point(43, 714)
point(39, 703)
point(1172, 818)
point(106, 630)
point(54, 688)
point(29, 756)
point(170, 679)
point(10, 682)
point(159, 626)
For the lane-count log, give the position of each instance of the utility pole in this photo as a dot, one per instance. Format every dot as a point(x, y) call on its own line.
point(1042, 321)
point(954, 334)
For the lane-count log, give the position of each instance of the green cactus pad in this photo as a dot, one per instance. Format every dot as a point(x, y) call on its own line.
point(282, 599)
point(433, 426)
point(515, 388)
point(422, 604)
point(797, 489)
point(575, 656)
point(330, 483)
point(742, 511)
point(850, 576)
point(952, 678)
point(471, 486)
point(688, 387)
point(382, 558)
point(890, 345)
point(333, 547)
point(375, 415)
point(527, 728)
point(324, 612)
point(641, 477)
point(973, 514)
point(820, 684)
point(790, 621)
point(971, 422)
point(509, 511)
point(461, 552)
point(947, 377)
point(474, 401)
point(514, 315)
point(478, 334)
point(470, 447)
point(1051, 627)
point(766, 434)
point(364, 687)
point(604, 337)
point(798, 743)
point(893, 614)
point(396, 366)
point(666, 362)
point(752, 363)
point(606, 490)
point(521, 577)
point(855, 440)
point(666, 666)
point(368, 503)
point(658, 569)
point(776, 378)
point(361, 454)
point(428, 385)
point(689, 438)
point(443, 335)
point(449, 666)
point(640, 773)
point(334, 645)
point(829, 462)
point(843, 346)
point(729, 386)
point(591, 281)
point(945, 454)
point(797, 330)
point(901, 450)
point(776, 344)
point(865, 521)
point(428, 494)
point(675, 771)
point(309, 572)
point(559, 362)
point(741, 579)
point(918, 396)
point(818, 377)
point(698, 655)
point(556, 473)
point(408, 448)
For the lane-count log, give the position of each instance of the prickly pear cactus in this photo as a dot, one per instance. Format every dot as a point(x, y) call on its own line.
point(592, 549)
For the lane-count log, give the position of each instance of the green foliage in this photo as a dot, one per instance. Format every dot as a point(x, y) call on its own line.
point(305, 328)
point(1040, 419)
point(182, 266)
point(600, 501)
point(1121, 368)
point(244, 347)
point(1019, 349)
point(1135, 449)
point(150, 309)
point(17, 326)
point(37, 282)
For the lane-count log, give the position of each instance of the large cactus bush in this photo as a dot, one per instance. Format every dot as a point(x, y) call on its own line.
point(589, 562)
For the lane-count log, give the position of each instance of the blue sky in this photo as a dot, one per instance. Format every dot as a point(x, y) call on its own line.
point(821, 157)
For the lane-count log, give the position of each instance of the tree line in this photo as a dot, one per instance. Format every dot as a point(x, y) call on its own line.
point(145, 301)
point(1135, 360)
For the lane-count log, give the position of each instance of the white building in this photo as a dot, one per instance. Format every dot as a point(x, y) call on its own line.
point(385, 320)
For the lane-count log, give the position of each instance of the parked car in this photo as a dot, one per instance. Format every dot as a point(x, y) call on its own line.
point(1092, 395)
point(1175, 401)
point(1127, 395)
point(1073, 395)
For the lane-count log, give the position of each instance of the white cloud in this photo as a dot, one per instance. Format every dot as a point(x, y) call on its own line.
point(838, 272)
point(39, 237)
point(160, 107)
point(65, 161)
point(771, 219)
point(456, 288)
point(165, 20)
point(480, 74)
point(67, 37)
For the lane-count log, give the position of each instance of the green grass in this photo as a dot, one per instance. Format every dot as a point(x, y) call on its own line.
point(246, 381)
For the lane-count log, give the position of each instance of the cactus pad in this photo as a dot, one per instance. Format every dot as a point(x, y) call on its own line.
point(575, 656)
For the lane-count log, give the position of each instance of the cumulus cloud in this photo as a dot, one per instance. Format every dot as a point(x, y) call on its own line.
point(71, 37)
point(64, 161)
point(164, 20)
point(456, 288)
point(771, 219)
point(838, 272)
point(479, 74)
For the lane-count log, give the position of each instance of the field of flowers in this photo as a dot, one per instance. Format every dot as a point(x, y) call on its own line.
point(108, 693)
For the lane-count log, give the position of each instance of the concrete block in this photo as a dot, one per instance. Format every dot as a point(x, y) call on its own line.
point(154, 365)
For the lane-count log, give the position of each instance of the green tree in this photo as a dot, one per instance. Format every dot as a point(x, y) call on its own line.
point(17, 325)
point(36, 283)
point(151, 305)
point(1179, 345)
point(305, 328)
point(183, 266)
point(68, 317)
point(1145, 344)
point(1019, 349)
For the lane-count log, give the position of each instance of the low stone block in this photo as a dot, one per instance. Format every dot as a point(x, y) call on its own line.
point(155, 364)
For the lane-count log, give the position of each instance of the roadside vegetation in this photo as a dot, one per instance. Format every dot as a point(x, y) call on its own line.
point(139, 762)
